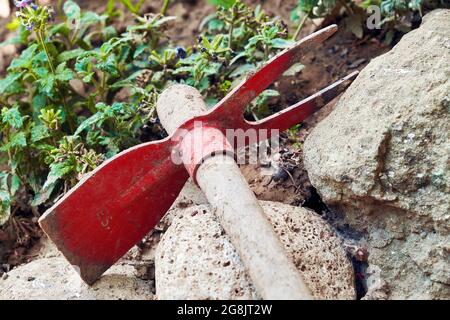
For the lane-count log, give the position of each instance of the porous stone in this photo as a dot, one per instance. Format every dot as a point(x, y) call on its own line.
point(196, 260)
point(54, 278)
point(382, 159)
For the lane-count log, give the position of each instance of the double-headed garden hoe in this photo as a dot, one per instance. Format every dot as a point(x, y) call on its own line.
point(117, 204)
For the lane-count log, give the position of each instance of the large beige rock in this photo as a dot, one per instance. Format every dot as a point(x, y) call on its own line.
point(195, 259)
point(53, 278)
point(382, 158)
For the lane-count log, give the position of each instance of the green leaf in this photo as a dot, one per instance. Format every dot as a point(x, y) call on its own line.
point(270, 93)
point(39, 59)
point(239, 56)
point(223, 3)
point(211, 102)
point(88, 77)
point(69, 55)
point(72, 10)
point(39, 132)
point(307, 5)
point(126, 82)
point(18, 140)
point(39, 102)
point(130, 6)
point(15, 184)
point(5, 206)
point(47, 84)
point(25, 59)
point(63, 73)
point(279, 43)
point(415, 5)
point(83, 64)
point(34, 182)
point(212, 68)
point(57, 171)
point(112, 44)
point(65, 76)
point(294, 15)
point(89, 18)
point(110, 7)
point(4, 180)
point(139, 50)
point(12, 117)
point(109, 32)
point(242, 69)
point(88, 123)
point(109, 66)
point(7, 82)
point(388, 7)
point(203, 84)
point(41, 72)
point(60, 28)
point(216, 24)
point(263, 98)
point(43, 195)
point(182, 70)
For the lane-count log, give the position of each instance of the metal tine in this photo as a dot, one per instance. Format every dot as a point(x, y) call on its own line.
point(249, 89)
point(298, 112)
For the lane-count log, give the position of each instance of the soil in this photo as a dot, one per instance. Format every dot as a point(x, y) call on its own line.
point(342, 54)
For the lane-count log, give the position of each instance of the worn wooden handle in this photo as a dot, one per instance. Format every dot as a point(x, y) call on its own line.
point(272, 272)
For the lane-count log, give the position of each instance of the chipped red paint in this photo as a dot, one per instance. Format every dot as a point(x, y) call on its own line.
point(116, 205)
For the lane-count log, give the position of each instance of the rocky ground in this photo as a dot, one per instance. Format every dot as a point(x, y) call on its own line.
point(374, 169)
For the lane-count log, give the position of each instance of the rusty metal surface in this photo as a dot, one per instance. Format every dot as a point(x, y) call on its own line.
point(116, 205)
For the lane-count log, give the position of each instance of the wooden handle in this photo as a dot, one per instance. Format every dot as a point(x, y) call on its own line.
point(272, 272)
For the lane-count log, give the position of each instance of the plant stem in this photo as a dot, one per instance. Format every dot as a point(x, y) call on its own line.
point(164, 7)
point(230, 32)
point(300, 25)
point(266, 51)
point(73, 38)
point(230, 36)
point(59, 6)
point(52, 68)
point(44, 46)
point(103, 86)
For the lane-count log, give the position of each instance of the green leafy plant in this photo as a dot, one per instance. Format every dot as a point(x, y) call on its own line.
point(80, 91)
point(356, 15)
point(235, 41)
point(58, 115)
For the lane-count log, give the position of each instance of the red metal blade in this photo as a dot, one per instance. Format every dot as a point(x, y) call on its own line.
point(113, 208)
point(295, 114)
point(233, 105)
